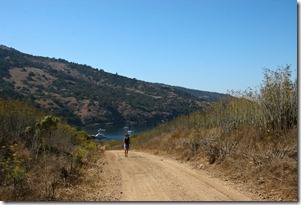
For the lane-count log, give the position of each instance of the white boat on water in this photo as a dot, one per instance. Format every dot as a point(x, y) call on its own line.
point(128, 128)
point(100, 134)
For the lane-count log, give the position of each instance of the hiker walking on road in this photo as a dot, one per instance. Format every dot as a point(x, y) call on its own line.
point(126, 142)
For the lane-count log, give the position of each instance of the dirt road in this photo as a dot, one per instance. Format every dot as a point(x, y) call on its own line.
point(146, 177)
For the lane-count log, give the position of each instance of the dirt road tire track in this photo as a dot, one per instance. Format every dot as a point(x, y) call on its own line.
point(146, 177)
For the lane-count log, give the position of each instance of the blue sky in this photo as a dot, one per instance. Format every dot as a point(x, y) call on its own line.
point(212, 45)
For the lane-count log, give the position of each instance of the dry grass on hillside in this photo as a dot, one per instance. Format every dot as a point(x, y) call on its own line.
point(246, 158)
point(250, 140)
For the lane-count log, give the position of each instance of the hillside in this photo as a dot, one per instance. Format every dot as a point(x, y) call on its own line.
point(86, 96)
point(200, 94)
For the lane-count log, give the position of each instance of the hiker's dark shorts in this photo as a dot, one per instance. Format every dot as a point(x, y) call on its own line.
point(126, 146)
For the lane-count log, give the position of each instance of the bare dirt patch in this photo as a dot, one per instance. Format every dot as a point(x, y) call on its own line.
point(147, 177)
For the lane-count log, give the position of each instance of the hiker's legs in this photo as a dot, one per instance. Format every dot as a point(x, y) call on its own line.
point(126, 149)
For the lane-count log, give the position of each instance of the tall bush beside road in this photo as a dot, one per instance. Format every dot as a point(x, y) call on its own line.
point(38, 153)
point(279, 99)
